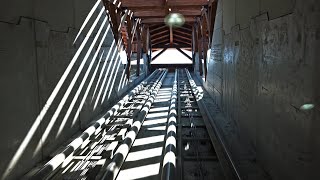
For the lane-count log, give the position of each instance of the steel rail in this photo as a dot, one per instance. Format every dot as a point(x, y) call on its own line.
point(169, 160)
point(180, 154)
point(196, 92)
point(120, 155)
point(47, 170)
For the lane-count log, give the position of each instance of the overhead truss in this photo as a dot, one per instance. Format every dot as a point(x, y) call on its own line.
point(139, 26)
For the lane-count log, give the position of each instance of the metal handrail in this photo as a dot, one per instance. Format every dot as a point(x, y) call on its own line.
point(120, 155)
point(94, 128)
point(169, 160)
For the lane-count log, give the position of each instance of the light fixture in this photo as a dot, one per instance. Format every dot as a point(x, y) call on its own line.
point(307, 106)
point(174, 20)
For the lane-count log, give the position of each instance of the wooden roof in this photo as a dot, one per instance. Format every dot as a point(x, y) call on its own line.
point(153, 13)
point(139, 25)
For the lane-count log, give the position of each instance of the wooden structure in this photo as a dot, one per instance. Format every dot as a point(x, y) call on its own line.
point(139, 26)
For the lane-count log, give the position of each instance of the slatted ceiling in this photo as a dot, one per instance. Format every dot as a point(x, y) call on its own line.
point(181, 38)
point(144, 15)
point(150, 13)
point(188, 12)
point(181, 33)
point(153, 12)
point(160, 38)
point(182, 43)
point(142, 3)
point(163, 42)
point(187, 2)
point(157, 19)
point(165, 33)
point(157, 28)
point(161, 20)
point(175, 38)
point(160, 33)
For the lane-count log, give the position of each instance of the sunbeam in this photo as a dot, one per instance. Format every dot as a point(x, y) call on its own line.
point(87, 19)
point(67, 93)
point(102, 70)
point(49, 101)
point(82, 83)
point(105, 78)
point(86, 94)
point(114, 79)
point(109, 79)
point(121, 80)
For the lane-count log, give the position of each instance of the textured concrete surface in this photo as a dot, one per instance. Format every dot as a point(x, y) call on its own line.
point(36, 49)
point(259, 77)
point(241, 11)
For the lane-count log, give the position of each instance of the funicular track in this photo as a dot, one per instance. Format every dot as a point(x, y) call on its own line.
point(188, 146)
point(200, 156)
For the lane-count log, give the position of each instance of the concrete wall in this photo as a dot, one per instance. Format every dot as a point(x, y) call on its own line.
point(40, 111)
point(264, 66)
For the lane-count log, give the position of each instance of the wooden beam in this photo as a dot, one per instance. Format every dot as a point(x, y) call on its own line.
point(138, 34)
point(193, 47)
point(167, 45)
point(187, 12)
point(129, 45)
point(195, 39)
point(161, 20)
point(210, 3)
point(167, 36)
point(149, 13)
point(162, 41)
point(205, 39)
point(144, 38)
point(187, 2)
point(182, 37)
point(128, 66)
point(182, 33)
point(185, 28)
point(184, 53)
point(171, 36)
point(155, 57)
point(199, 48)
point(141, 3)
point(155, 8)
point(160, 33)
point(212, 17)
point(162, 13)
point(133, 31)
point(113, 13)
point(181, 41)
point(205, 49)
point(158, 28)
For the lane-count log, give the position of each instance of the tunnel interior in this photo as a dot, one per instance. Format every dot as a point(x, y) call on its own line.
point(160, 89)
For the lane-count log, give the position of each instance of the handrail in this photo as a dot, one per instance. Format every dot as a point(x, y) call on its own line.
point(169, 160)
point(95, 128)
point(120, 155)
